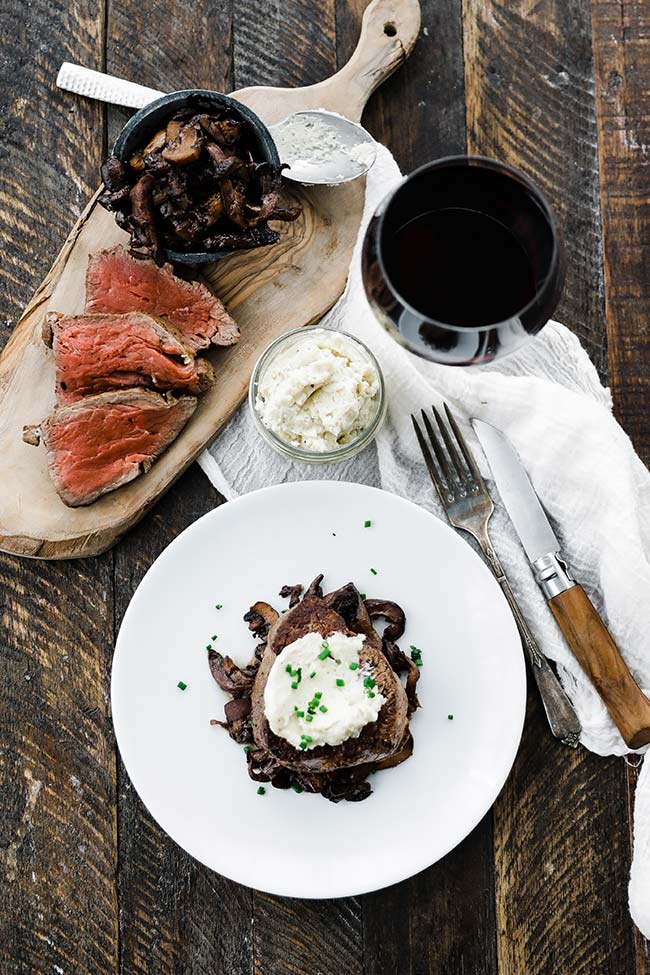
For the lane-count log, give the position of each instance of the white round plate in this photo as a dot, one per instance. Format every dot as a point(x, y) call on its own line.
point(192, 777)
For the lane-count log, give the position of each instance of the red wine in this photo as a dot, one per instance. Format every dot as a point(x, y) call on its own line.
point(460, 267)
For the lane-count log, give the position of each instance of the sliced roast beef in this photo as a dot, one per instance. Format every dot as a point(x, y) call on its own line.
point(100, 443)
point(97, 353)
point(117, 282)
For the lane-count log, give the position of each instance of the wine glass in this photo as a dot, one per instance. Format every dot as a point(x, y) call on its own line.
point(463, 262)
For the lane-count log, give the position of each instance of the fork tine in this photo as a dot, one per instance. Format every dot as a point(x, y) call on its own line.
point(428, 460)
point(451, 450)
point(438, 451)
point(462, 443)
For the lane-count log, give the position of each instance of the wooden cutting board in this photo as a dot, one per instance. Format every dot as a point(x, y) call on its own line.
point(269, 292)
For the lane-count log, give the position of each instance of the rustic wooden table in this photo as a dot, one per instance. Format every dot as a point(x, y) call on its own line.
point(89, 883)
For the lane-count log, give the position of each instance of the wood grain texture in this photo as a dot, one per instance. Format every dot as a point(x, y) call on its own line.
point(175, 914)
point(601, 660)
point(561, 850)
point(530, 102)
point(622, 55)
point(58, 837)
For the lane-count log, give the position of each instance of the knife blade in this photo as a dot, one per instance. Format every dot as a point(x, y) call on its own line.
point(582, 626)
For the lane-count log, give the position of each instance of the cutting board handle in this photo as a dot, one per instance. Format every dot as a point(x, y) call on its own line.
point(389, 30)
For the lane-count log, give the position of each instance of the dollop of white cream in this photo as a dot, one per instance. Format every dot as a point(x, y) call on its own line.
point(318, 393)
point(296, 713)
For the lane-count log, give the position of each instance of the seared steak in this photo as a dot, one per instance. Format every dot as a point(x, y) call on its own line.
point(338, 772)
point(97, 353)
point(102, 442)
point(117, 282)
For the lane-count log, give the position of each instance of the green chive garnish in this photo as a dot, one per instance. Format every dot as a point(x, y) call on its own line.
point(182, 685)
point(218, 606)
point(300, 714)
point(318, 695)
point(371, 693)
point(303, 744)
point(209, 646)
point(294, 684)
point(247, 748)
point(339, 682)
point(307, 738)
point(296, 788)
point(368, 682)
point(367, 524)
point(289, 669)
point(323, 709)
point(261, 791)
point(309, 717)
point(450, 717)
point(363, 595)
point(214, 637)
point(374, 572)
point(325, 652)
point(416, 656)
point(354, 666)
point(313, 673)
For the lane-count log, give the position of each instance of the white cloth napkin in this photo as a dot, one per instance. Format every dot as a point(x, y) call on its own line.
point(548, 399)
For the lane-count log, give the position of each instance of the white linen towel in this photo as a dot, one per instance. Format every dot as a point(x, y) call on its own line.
point(549, 401)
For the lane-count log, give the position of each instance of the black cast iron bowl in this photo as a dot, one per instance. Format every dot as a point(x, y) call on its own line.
point(145, 123)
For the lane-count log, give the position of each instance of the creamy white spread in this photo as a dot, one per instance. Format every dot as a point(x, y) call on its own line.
point(314, 697)
point(318, 393)
point(308, 142)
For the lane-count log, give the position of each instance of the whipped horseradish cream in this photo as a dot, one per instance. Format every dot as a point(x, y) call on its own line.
point(318, 693)
point(319, 392)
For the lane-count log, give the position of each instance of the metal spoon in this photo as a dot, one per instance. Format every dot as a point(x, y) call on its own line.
point(333, 168)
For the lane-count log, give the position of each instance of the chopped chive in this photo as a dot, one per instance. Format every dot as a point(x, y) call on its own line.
point(307, 738)
point(300, 714)
point(296, 788)
point(214, 637)
point(363, 595)
point(208, 646)
point(367, 524)
point(303, 744)
point(294, 684)
point(247, 748)
point(309, 717)
point(323, 709)
point(313, 673)
point(450, 717)
point(261, 791)
point(182, 685)
point(325, 653)
point(416, 656)
point(289, 669)
point(354, 665)
point(374, 572)
point(218, 606)
point(339, 682)
point(371, 693)
point(368, 682)
point(318, 695)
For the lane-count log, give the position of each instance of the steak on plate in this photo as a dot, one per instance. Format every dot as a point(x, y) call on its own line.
point(102, 442)
point(98, 353)
point(118, 282)
point(335, 771)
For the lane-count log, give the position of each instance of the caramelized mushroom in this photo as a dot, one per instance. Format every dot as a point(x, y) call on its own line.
point(157, 142)
point(391, 612)
point(186, 147)
point(260, 618)
point(237, 681)
point(292, 593)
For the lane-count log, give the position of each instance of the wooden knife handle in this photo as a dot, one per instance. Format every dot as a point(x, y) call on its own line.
point(601, 660)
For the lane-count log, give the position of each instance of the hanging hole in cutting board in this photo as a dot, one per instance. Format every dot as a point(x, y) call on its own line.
point(390, 29)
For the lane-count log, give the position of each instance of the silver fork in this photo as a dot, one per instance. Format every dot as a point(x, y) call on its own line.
point(468, 505)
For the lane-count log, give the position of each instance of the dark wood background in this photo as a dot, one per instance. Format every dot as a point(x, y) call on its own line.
point(88, 883)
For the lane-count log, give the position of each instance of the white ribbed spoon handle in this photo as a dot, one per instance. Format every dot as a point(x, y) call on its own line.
point(104, 87)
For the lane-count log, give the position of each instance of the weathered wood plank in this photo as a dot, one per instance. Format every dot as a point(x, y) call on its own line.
point(58, 896)
point(419, 113)
point(530, 102)
point(622, 55)
point(175, 914)
point(561, 846)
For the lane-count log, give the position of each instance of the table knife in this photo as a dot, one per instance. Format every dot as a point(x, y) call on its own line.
point(583, 629)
